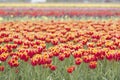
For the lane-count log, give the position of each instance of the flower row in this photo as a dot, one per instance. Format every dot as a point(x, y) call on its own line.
point(39, 42)
point(59, 12)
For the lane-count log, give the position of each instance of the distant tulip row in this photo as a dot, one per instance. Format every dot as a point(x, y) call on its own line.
point(60, 12)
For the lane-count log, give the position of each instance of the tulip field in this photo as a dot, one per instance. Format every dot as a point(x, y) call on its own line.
point(59, 43)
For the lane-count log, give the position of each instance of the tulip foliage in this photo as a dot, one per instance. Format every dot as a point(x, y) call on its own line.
point(60, 50)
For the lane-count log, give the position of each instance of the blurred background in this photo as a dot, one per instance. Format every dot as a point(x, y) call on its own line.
point(81, 1)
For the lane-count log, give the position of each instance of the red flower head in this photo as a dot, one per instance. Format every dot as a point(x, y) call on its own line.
point(61, 57)
point(92, 64)
point(78, 61)
point(1, 68)
point(53, 67)
point(70, 69)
